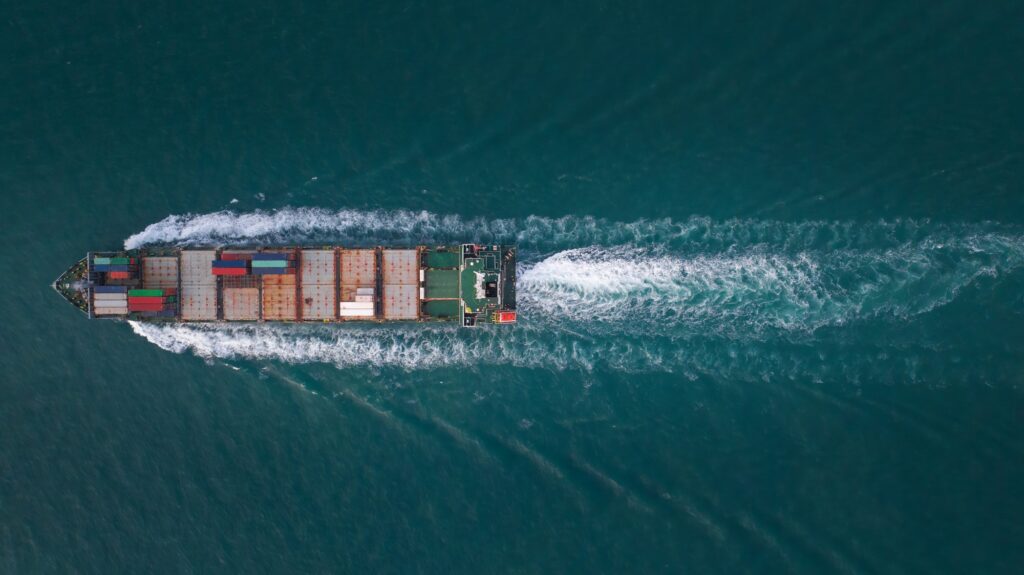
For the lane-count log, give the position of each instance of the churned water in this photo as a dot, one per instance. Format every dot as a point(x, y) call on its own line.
point(771, 288)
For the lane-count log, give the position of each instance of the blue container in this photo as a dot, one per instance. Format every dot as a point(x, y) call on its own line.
point(230, 263)
point(164, 313)
point(110, 289)
point(269, 271)
point(112, 268)
point(288, 256)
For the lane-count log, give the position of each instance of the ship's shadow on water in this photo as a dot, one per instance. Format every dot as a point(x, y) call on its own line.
point(731, 299)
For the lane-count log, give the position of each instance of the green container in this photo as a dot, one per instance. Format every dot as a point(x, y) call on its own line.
point(101, 261)
point(145, 292)
point(119, 261)
point(269, 263)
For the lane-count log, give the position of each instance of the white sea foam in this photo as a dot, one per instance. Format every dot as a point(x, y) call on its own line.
point(639, 296)
point(307, 224)
point(664, 292)
point(544, 234)
point(755, 292)
point(423, 348)
point(411, 347)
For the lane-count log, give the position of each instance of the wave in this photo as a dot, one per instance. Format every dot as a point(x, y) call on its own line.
point(758, 292)
point(300, 225)
point(639, 296)
point(417, 348)
point(538, 233)
point(408, 347)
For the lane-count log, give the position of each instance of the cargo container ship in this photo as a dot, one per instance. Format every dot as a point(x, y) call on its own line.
point(469, 283)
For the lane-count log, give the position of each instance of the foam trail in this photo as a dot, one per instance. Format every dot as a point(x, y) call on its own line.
point(408, 347)
point(297, 225)
point(543, 234)
point(754, 293)
point(696, 296)
point(425, 348)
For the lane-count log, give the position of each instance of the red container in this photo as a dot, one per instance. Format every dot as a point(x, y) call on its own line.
point(119, 275)
point(135, 306)
point(235, 257)
point(170, 291)
point(145, 299)
point(230, 271)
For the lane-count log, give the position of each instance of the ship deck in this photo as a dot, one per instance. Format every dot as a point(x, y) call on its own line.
point(466, 284)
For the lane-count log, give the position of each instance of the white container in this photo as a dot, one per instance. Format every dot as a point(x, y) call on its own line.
point(110, 297)
point(109, 303)
point(355, 313)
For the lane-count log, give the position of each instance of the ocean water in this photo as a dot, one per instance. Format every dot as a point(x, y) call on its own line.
point(771, 288)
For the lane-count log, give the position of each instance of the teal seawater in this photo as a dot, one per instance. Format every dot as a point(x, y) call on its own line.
point(772, 288)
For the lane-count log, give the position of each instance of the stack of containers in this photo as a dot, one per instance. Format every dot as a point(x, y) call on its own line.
point(153, 302)
point(273, 264)
point(119, 268)
point(229, 266)
point(109, 300)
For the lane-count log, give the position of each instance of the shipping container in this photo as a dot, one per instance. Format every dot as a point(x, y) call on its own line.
point(108, 303)
point(350, 309)
point(110, 296)
point(355, 305)
point(120, 261)
point(273, 256)
point(247, 281)
point(150, 299)
point(230, 263)
point(148, 292)
point(101, 261)
point(148, 307)
point(153, 300)
point(110, 289)
point(110, 311)
point(272, 271)
point(230, 271)
point(356, 313)
point(164, 313)
point(229, 256)
point(119, 275)
point(279, 263)
point(113, 268)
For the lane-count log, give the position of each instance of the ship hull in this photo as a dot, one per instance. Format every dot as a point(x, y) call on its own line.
point(465, 284)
